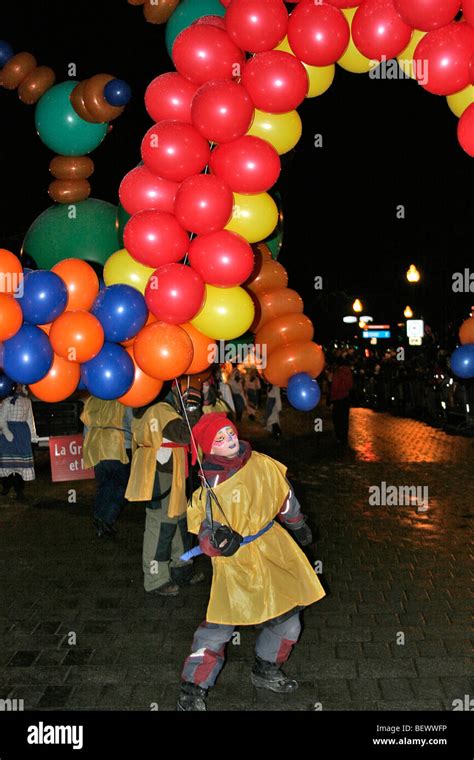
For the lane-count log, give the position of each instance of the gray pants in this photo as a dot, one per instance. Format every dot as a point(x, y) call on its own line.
point(274, 644)
point(164, 539)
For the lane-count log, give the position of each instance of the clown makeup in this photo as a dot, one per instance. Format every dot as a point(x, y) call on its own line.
point(226, 443)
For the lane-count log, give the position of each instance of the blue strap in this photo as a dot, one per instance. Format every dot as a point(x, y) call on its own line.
point(247, 540)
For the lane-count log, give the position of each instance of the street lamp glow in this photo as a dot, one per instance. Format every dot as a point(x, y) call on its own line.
point(362, 324)
point(408, 312)
point(357, 306)
point(413, 274)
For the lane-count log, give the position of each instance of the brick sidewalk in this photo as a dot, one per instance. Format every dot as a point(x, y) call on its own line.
point(393, 574)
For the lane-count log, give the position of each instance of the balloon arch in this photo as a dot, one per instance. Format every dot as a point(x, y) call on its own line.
point(193, 269)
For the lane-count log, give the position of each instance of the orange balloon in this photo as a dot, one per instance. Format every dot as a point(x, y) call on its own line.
point(60, 382)
point(163, 351)
point(270, 275)
point(275, 304)
point(76, 336)
point(127, 343)
point(144, 388)
point(204, 349)
point(466, 331)
point(11, 316)
point(11, 272)
point(290, 328)
point(81, 281)
point(296, 357)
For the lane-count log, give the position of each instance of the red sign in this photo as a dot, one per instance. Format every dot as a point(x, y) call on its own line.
point(66, 459)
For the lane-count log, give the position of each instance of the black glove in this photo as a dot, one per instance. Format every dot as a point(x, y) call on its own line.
point(226, 540)
point(303, 534)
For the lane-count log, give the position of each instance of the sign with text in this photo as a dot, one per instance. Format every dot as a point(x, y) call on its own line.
point(376, 333)
point(66, 459)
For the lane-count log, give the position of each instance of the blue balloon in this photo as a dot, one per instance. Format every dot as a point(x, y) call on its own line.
point(462, 361)
point(110, 374)
point(122, 312)
point(28, 356)
point(6, 386)
point(117, 92)
point(6, 52)
point(303, 392)
point(44, 297)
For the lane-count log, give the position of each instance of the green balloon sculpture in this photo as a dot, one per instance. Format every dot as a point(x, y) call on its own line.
point(85, 230)
point(61, 128)
point(187, 12)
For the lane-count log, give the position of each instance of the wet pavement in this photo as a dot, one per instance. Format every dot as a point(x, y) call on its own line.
point(77, 630)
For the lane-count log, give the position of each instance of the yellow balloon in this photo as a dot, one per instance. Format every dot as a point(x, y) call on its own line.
point(253, 216)
point(461, 100)
point(226, 314)
point(353, 60)
point(320, 77)
point(121, 268)
point(282, 130)
point(405, 59)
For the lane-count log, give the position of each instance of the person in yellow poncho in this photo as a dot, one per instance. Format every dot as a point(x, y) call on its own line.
point(260, 576)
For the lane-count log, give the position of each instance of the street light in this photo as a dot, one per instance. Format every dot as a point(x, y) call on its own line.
point(357, 306)
point(413, 274)
point(408, 313)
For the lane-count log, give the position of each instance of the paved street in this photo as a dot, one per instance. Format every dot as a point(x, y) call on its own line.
point(78, 632)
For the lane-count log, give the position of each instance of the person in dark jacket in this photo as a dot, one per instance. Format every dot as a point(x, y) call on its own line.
point(341, 387)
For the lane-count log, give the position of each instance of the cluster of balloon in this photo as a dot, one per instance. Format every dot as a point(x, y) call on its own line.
point(58, 329)
point(462, 358)
point(282, 332)
point(71, 118)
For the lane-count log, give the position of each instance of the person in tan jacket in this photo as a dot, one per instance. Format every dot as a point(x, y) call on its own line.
point(161, 438)
point(107, 445)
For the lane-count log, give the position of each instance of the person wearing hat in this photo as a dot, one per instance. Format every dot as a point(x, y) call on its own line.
point(260, 576)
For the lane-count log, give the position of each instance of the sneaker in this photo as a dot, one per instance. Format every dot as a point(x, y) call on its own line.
point(167, 589)
point(268, 675)
point(195, 578)
point(192, 698)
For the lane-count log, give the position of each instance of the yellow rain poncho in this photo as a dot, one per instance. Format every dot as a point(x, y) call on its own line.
point(268, 576)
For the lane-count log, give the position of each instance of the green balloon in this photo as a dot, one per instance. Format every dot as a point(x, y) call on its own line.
point(275, 240)
point(122, 219)
point(187, 12)
point(61, 128)
point(90, 235)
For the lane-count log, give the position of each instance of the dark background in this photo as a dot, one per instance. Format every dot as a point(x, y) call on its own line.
point(385, 142)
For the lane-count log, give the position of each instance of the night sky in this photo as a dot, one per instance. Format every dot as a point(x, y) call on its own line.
point(385, 143)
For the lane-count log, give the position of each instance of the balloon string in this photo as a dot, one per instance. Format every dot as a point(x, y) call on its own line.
point(205, 481)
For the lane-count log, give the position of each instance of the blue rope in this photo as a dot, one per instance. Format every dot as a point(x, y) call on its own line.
point(247, 540)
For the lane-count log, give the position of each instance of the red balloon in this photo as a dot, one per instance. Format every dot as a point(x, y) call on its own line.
point(202, 52)
point(155, 238)
point(468, 11)
point(466, 130)
point(427, 14)
point(341, 3)
point(256, 25)
point(174, 150)
point(378, 30)
point(446, 54)
point(247, 165)
point(222, 111)
point(223, 258)
point(276, 81)
point(175, 293)
point(169, 96)
point(213, 20)
point(140, 190)
point(203, 204)
point(318, 34)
